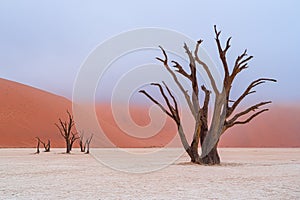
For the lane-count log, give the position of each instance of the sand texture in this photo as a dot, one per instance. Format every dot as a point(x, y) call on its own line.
point(244, 174)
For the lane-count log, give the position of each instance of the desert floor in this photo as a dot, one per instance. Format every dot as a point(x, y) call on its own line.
point(243, 174)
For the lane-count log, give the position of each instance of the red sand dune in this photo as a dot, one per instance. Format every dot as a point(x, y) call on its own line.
point(27, 112)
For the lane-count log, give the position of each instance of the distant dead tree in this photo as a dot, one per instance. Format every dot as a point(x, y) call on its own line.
point(87, 144)
point(46, 146)
point(81, 143)
point(223, 115)
point(65, 129)
point(38, 146)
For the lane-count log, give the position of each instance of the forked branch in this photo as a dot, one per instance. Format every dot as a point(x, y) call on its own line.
point(180, 86)
point(156, 102)
point(247, 120)
point(241, 63)
point(234, 119)
point(247, 92)
point(172, 110)
point(222, 52)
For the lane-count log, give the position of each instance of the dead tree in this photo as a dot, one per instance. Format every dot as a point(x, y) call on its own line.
point(223, 115)
point(38, 146)
point(87, 144)
point(46, 146)
point(65, 129)
point(81, 143)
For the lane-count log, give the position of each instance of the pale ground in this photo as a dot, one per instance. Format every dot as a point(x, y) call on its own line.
point(244, 174)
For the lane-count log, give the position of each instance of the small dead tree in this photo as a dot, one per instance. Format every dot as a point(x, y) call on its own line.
point(81, 143)
point(65, 129)
point(223, 115)
point(87, 144)
point(37, 146)
point(46, 145)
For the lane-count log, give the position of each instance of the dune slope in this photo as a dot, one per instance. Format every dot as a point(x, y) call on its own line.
point(27, 112)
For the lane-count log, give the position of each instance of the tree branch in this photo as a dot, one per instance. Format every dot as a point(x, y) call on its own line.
point(232, 121)
point(157, 103)
point(174, 115)
point(193, 79)
point(59, 128)
point(171, 109)
point(71, 122)
point(165, 61)
point(206, 98)
point(247, 92)
point(180, 70)
point(74, 136)
point(206, 68)
point(247, 120)
point(184, 92)
point(192, 65)
point(222, 53)
point(241, 63)
point(172, 96)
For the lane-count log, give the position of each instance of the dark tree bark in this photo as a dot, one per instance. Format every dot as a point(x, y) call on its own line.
point(212, 158)
point(37, 146)
point(222, 110)
point(65, 129)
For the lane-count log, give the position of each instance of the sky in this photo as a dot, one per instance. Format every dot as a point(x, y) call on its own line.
point(44, 43)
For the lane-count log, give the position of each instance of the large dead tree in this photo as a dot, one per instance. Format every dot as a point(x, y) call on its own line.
point(223, 114)
point(65, 129)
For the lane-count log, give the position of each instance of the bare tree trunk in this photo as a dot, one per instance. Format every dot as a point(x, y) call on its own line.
point(194, 154)
point(212, 158)
point(195, 158)
point(88, 148)
point(82, 147)
point(68, 148)
point(71, 145)
point(38, 147)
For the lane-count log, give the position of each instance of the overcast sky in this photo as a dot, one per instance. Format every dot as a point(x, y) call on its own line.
point(44, 43)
